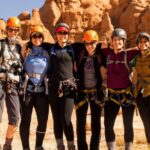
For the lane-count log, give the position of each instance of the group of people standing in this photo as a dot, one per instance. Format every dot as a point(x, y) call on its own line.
point(64, 75)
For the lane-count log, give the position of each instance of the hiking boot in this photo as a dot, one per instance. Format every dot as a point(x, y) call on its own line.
point(39, 148)
point(7, 147)
point(111, 145)
point(128, 145)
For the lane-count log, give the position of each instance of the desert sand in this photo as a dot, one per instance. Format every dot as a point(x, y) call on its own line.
point(49, 141)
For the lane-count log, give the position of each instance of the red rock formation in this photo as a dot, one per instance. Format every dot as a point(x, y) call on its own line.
point(101, 15)
point(2, 28)
point(25, 15)
point(132, 15)
point(135, 19)
point(50, 14)
point(78, 14)
point(27, 23)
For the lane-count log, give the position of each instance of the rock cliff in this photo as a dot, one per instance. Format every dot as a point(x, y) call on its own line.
point(100, 15)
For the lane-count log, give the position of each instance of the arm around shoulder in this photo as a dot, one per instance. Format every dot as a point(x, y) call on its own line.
point(24, 50)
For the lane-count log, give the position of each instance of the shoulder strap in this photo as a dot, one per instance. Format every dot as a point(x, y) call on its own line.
point(3, 42)
point(72, 54)
point(133, 62)
point(81, 55)
point(2, 47)
point(18, 46)
point(126, 62)
point(53, 50)
point(71, 51)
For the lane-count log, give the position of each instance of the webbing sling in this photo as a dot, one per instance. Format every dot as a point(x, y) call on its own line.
point(87, 99)
point(120, 95)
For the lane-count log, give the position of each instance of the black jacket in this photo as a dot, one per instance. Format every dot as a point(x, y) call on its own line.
point(99, 60)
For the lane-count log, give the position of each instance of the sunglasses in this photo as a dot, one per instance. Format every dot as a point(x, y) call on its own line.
point(37, 36)
point(13, 30)
point(62, 33)
point(90, 43)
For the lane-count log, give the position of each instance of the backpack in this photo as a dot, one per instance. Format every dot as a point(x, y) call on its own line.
point(128, 66)
point(4, 42)
point(70, 51)
point(36, 75)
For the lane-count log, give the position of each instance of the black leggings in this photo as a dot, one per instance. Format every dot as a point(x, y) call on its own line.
point(111, 110)
point(40, 103)
point(81, 113)
point(144, 110)
point(62, 110)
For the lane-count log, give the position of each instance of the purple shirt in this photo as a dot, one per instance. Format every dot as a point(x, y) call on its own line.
point(117, 72)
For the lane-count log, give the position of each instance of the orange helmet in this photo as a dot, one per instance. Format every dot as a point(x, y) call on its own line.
point(90, 35)
point(13, 22)
point(36, 29)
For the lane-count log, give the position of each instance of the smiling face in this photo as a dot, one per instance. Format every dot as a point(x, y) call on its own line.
point(12, 32)
point(143, 44)
point(13, 27)
point(90, 47)
point(117, 43)
point(37, 39)
point(90, 39)
point(62, 36)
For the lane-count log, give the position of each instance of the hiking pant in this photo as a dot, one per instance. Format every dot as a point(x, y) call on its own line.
point(41, 105)
point(62, 110)
point(2, 98)
point(111, 110)
point(144, 110)
point(81, 114)
point(12, 104)
point(13, 107)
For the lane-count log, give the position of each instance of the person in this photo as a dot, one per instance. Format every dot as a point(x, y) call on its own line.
point(142, 86)
point(119, 88)
point(10, 70)
point(63, 86)
point(36, 66)
point(90, 60)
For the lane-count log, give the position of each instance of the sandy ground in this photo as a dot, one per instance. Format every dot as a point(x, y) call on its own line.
point(49, 141)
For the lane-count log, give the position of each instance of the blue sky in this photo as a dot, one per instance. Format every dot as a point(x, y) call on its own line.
point(15, 7)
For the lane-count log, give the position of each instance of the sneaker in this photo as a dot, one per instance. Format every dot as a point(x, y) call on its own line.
point(7, 147)
point(39, 148)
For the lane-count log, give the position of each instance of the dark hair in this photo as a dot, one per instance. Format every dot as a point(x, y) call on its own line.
point(141, 35)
